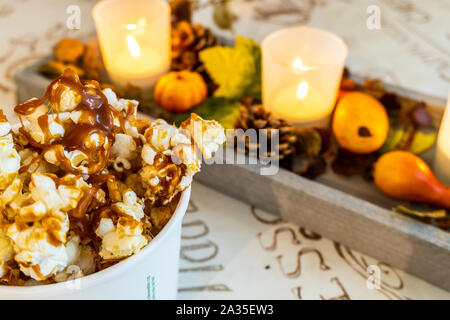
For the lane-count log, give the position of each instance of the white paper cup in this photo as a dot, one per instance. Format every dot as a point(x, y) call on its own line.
point(150, 274)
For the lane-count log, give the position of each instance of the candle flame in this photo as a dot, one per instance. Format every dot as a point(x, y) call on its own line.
point(298, 64)
point(133, 46)
point(142, 22)
point(131, 26)
point(302, 90)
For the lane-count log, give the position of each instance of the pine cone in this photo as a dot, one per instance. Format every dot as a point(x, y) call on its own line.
point(187, 41)
point(256, 117)
point(181, 10)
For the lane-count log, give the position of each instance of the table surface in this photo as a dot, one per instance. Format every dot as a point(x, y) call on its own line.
point(229, 250)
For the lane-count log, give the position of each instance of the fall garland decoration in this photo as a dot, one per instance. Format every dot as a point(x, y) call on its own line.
point(230, 92)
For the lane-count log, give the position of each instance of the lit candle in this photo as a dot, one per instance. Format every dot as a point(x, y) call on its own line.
point(134, 38)
point(302, 69)
point(442, 158)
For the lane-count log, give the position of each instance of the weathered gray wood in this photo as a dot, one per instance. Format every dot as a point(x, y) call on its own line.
point(348, 211)
point(404, 243)
point(29, 83)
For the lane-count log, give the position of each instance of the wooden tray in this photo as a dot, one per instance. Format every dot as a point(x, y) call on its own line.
point(349, 211)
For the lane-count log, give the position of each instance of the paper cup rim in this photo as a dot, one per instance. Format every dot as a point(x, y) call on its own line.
point(103, 275)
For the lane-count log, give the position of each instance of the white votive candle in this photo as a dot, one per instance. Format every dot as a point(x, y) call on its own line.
point(302, 69)
point(442, 157)
point(134, 38)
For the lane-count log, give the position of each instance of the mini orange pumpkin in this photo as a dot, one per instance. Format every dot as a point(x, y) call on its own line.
point(360, 123)
point(180, 91)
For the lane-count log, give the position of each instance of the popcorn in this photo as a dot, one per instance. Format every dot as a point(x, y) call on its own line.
point(76, 159)
point(42, 128)
point(10, 162)
point(131, 205)
point(207, 135)
point(11, 193)
point(124, 240)
point(122, 151)
point(75, 116)
point(159, 134)
point(40, 247)
point(38, 254)
point(161, 180)
point(160, 216)
point(124, 147)
point(65, 99)
point(136, 126)
point(94, 141)
point(187, 154)
point(111, 97)
point(148, 154)
point(41, 110)
point(86, 260)
point(9, 157)
point(89, 184)
point(14, 206)
point(120, 104)
point(31, 162)
point(105, 226)
point(55, 198)
point(6, 253)
point(185, 182)
point(73, 249)
point(126, 237)
point(5, 127)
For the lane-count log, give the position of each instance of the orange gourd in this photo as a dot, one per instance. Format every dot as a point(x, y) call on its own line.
point(360, 123)
point(404, 176)
point(180, 91)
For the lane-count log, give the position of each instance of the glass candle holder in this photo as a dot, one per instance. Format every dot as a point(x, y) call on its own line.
point(302, 70)
point(442, 156)
point(134, 38)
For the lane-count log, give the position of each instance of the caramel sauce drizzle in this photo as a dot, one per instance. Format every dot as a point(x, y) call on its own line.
point(97, 117)
point(94, 108)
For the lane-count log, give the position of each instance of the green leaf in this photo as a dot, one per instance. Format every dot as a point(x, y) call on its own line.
point(310, 141)
point(438, 214)
point(394, 137)
point(222, 15)
point(237, 71)
point(422, 142)
point(223, 110)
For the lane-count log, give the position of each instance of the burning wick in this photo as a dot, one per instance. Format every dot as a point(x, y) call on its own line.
point(302, 90)
point(133, 47)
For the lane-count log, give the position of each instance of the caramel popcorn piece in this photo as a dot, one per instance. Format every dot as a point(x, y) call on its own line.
point(161, 180)
point(84, 183)
point(5, 127)
point(6, 253)
point(40, 228)
point(9, 157)
point(121, 240)
point(207, 135)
